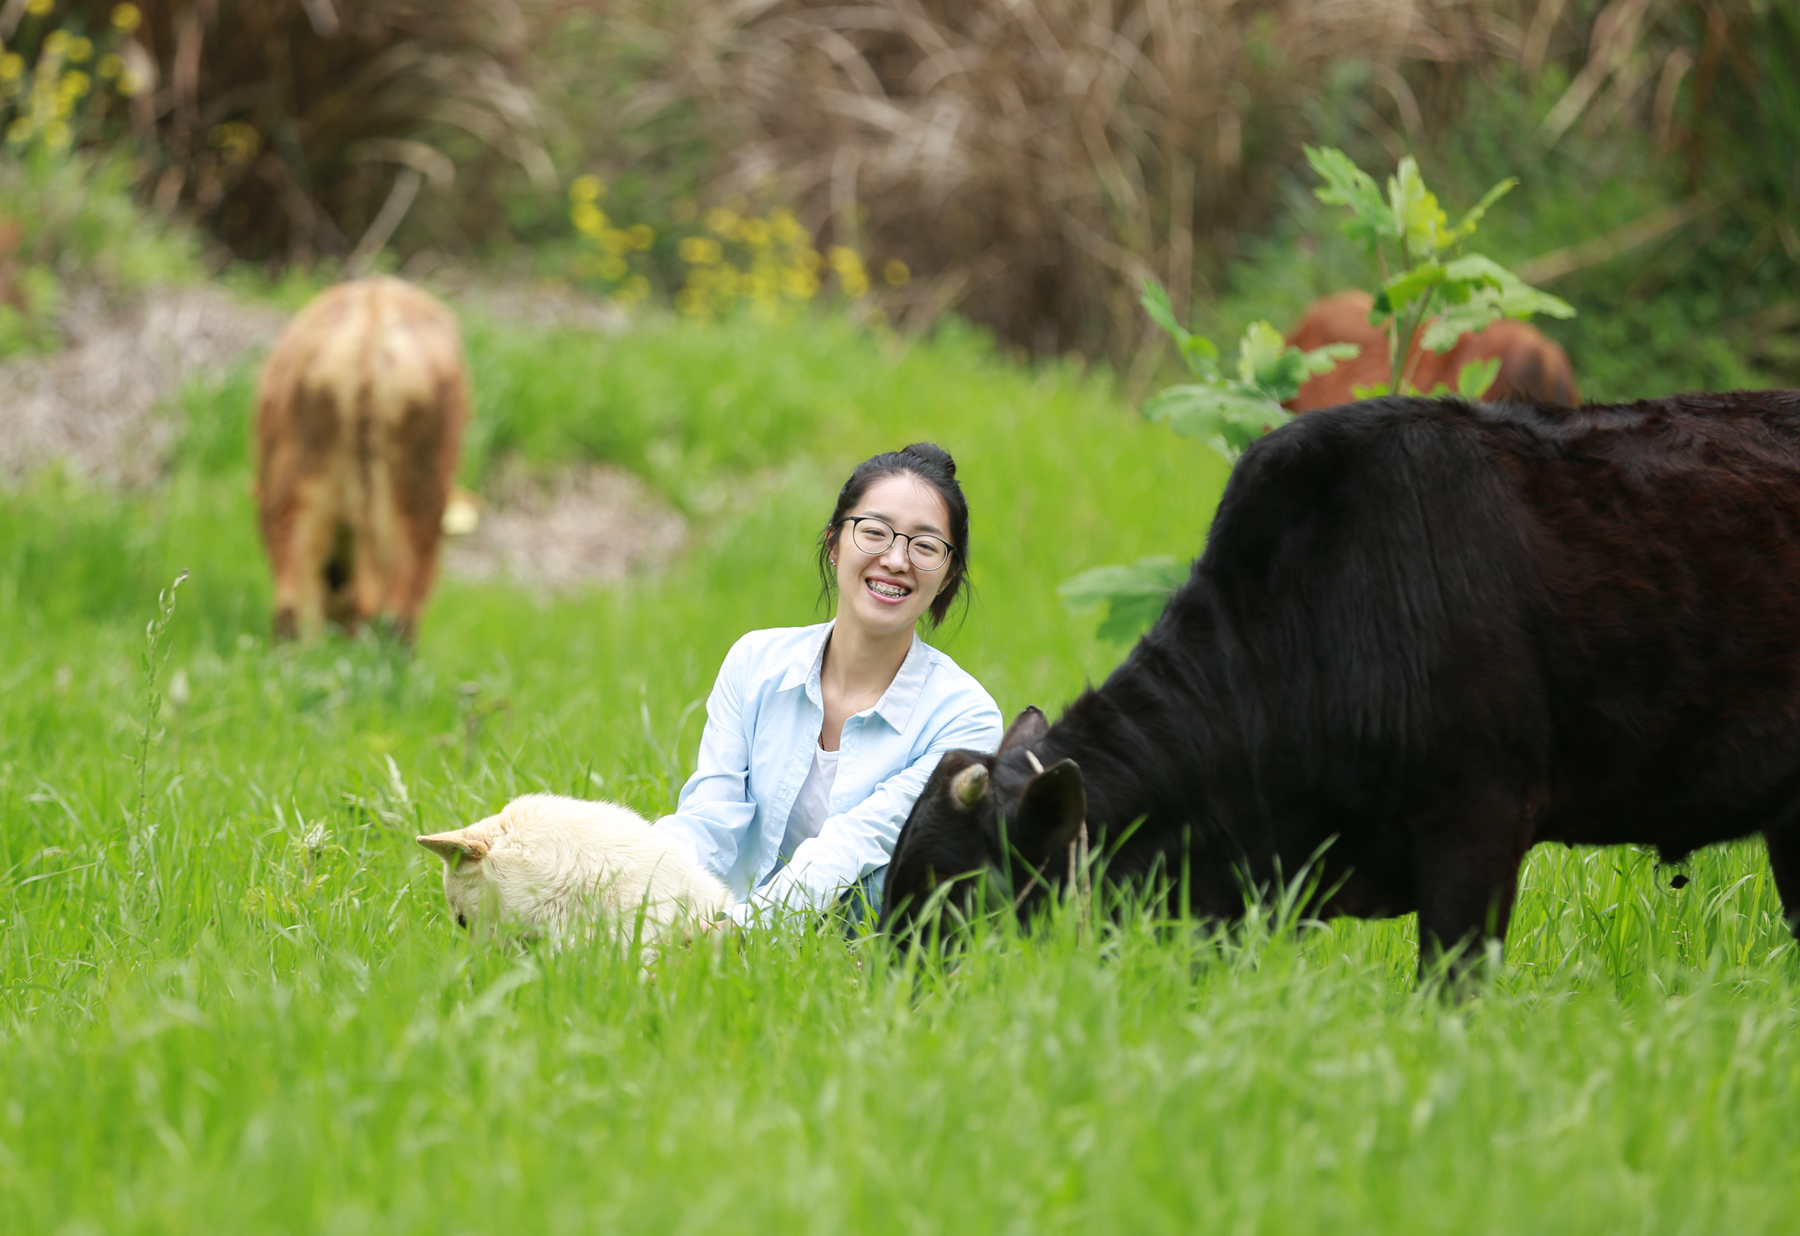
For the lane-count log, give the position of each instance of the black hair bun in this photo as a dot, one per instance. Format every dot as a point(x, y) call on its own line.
point(932, 453)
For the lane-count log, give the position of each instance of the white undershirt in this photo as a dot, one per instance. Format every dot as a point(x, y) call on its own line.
point(813, 803)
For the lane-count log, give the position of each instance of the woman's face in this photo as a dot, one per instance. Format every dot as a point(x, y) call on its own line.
point(886, 592)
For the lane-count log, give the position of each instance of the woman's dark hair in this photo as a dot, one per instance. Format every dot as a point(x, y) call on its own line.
point(932, 464)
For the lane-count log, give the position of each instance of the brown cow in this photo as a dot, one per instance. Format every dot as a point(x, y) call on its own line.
point(359, 417)
point(1532, 368)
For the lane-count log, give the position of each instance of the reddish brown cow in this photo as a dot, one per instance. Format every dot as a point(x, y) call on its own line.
point(1532, 368)
point(359, 417)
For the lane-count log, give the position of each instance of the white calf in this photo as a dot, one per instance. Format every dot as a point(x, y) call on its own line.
point(549, 863)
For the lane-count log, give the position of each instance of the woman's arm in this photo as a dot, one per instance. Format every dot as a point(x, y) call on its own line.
point(861, 840)
point(714, 810)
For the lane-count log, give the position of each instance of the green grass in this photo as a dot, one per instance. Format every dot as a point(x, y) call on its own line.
point(246, 1012)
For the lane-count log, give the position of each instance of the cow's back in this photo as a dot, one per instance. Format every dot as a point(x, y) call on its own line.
point(360, 412)
point(1342, 317)
point(1671, 564)
point(1533, 367)
point(1605, 600)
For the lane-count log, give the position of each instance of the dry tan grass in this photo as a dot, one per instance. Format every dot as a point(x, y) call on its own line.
point(295, 129)
point(1033, 159)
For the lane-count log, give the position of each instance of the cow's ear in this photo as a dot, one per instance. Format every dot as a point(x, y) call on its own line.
point(1026, 729)
point(456, 847)
point(1050, 812)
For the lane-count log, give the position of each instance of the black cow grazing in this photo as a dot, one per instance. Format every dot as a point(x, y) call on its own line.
point(1433, 635)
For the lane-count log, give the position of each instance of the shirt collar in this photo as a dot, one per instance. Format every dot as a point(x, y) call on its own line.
point(895, 705)
point(804, 672)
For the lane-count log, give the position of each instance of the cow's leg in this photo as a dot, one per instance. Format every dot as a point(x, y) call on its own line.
point(424, 458)
point(1784, 862)
point(298, 554)
point(1466, 871)
point(391, 578)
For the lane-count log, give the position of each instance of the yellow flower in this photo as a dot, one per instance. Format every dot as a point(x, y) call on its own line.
point(844, 259)
point(691, 302)
point(238, 141)
point(588, 219)
point(700, 250)
point(755, 233)
point(615, 242)
point(12, 67)
point(612, 266)
point(109, 66)
point(37, 8)
point(131, 82)
point(633, 290)
point(75, 84)
point(799, 284)
point(786, 228)
point(721, 222)
point(808, 259)
point(126, 17)
point(57, 135)
point(56, 42)
point(642, 237)
point(80, 49)
point(587, 189)
point(19, 130)
point(896, 273)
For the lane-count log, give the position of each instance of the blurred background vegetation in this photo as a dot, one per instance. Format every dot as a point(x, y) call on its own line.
point(1020, 163)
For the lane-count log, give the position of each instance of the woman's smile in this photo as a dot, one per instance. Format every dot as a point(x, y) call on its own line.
point(887, 589)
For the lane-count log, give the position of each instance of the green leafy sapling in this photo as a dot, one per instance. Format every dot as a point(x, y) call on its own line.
point(1428, 284)
point(1226, 411)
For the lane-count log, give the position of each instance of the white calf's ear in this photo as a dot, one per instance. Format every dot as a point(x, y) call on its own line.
point(455, 846)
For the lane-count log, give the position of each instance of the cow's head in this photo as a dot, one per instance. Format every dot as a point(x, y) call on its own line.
point(982, 814)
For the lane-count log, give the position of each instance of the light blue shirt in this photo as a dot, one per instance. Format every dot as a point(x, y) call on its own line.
point(762, 724)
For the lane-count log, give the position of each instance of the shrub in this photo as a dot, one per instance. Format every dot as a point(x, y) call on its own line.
point(293, 129)
point(1033, 160)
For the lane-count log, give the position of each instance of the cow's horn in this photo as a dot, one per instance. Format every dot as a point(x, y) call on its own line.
point(970, 784)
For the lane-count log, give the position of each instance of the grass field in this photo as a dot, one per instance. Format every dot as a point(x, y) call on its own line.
point(231, 1001)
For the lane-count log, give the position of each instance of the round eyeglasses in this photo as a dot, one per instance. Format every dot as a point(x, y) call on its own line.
point(873, 536)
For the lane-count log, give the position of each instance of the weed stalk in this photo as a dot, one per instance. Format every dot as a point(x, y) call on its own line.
point(138, 846)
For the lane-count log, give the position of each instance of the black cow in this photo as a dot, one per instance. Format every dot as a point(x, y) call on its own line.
point(1432, 635)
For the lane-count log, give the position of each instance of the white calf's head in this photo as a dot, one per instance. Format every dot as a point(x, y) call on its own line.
point(472, 897)
point(545, 861)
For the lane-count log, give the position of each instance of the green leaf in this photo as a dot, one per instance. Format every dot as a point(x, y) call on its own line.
point(1325, 359)
point(1474, 314)
point(1397, 295)
point(1423, 222)
point(1348, 185)
point(1226, 416)
point(1260, 352)
point(1155, 301)
point(1465, 226)
point(1201, 355)
point(1517, 299)
point(1373, 391)
point(1198, 351)
point(1474, 378)
point(1131, 596)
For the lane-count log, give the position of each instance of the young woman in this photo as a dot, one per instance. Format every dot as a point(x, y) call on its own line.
point(819, 738)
